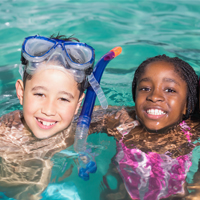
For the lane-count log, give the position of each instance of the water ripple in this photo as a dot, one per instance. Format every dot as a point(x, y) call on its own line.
point(142, 28)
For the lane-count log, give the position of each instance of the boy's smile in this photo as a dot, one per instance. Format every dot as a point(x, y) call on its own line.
point(50, 100)
point(45, 123)
point(161, 96)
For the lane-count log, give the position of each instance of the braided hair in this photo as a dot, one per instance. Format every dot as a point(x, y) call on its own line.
point(185, 71)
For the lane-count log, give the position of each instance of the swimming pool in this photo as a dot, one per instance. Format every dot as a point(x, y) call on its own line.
point(142, 28)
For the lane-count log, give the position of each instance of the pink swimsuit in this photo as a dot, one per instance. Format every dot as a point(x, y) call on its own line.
point(151, 175)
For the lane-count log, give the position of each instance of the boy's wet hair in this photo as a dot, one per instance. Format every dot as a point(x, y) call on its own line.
point(26, 76)
point(185, 71)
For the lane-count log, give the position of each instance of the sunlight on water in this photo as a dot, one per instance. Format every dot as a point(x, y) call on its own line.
point(142, 28)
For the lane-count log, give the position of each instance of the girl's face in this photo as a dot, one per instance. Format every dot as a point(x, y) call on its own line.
point(161, 96)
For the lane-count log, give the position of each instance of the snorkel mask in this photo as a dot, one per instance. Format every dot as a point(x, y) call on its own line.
point(78, 58)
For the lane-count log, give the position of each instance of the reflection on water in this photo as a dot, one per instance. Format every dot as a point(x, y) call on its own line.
point(25, 178)
point(143, 29)
point(8, 98)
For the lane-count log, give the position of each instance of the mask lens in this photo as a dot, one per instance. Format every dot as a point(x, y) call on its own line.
point(37, 47)
point(78, 53)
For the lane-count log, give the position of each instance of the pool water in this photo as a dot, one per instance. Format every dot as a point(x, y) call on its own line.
point(143, 28)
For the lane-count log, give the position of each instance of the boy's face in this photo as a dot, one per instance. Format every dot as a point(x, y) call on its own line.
point(50, 100)
point(161, 96)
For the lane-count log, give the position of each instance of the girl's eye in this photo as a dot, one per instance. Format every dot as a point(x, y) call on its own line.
point(170, 90)
point(144, 89)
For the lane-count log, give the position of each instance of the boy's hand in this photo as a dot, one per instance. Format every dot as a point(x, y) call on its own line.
point(112, 122)
point(123, 116)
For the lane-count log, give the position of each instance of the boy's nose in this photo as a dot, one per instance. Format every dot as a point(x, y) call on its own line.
point(48, 108)
point(155, 95)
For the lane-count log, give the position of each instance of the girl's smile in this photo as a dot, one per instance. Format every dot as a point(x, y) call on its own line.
point(161, 96)
point(155, 113)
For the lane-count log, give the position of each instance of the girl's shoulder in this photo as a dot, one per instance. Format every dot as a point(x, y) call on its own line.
point(177, 141)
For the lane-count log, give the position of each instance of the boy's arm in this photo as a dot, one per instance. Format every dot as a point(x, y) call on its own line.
point(107, 120)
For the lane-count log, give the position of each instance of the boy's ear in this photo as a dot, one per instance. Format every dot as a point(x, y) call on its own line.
point(79, 103)
point(20, 90)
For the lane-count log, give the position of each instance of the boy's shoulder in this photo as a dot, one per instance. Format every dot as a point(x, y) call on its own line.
point(11, 120)
point(16, 139)
point(11, 130)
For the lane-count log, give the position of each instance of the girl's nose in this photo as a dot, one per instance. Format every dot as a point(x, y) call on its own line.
point(155, 95)
point(49, 108)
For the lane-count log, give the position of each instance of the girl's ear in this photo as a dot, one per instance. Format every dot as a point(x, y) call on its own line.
point(20, 90)
point(79, 103)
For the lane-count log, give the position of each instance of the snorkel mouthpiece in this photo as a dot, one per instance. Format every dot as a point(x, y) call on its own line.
point(88, 165)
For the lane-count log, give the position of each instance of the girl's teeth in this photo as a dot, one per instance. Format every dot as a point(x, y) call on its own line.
point(46, 123)
point(155, 112)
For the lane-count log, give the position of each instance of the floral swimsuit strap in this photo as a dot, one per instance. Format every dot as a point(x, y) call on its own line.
point(124, 129)
point(185, 128)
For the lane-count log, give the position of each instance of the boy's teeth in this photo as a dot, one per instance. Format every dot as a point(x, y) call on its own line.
point(46, 123)
point(155, 112)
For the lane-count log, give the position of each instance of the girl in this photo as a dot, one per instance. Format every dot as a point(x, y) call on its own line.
point(155, 148)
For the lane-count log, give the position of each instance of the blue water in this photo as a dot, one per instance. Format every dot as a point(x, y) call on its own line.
point(143, 28)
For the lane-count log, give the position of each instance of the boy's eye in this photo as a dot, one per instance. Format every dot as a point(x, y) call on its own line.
point(64, 99)
point(39, 94)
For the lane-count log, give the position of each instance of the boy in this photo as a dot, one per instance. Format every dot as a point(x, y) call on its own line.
point(54, 79)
